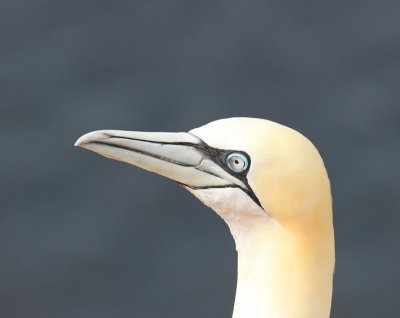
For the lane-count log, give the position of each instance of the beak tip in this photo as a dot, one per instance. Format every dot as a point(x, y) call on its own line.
point(82, 141)
point(77, 143)
point(90, 137)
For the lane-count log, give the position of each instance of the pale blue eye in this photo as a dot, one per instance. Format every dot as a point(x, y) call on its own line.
point(237, 162)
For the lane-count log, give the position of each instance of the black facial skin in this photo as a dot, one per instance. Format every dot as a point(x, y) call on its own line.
point(219, 157)
point(214, 154)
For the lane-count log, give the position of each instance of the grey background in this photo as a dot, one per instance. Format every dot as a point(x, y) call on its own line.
point(82, 236)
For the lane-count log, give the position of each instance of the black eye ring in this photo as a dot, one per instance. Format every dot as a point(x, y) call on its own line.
point(237, 162)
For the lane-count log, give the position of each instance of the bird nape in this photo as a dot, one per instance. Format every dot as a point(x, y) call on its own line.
point(269, 184)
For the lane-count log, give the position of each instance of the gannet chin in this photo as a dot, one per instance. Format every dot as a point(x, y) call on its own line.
point(269, 184)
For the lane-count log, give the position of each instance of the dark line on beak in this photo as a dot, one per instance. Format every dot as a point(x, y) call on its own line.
point(143, 153)
point(179, 143)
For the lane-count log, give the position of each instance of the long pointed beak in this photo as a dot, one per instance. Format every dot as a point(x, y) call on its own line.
point(182, 157)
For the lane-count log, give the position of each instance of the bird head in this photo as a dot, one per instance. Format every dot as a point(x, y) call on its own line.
point(243, 168)
point(268, 182)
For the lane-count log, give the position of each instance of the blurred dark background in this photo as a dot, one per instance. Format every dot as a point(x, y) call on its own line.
point(82, 236)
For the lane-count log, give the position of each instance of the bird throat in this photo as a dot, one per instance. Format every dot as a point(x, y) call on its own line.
point(279, 274)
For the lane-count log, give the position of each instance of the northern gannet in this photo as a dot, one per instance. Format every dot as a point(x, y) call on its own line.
point(269, 184)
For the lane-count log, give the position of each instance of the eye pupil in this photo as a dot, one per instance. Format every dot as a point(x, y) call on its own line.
point(237, 162)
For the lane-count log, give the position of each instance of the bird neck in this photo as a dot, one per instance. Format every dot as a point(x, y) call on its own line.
point(281, 272)
point(280, 275)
